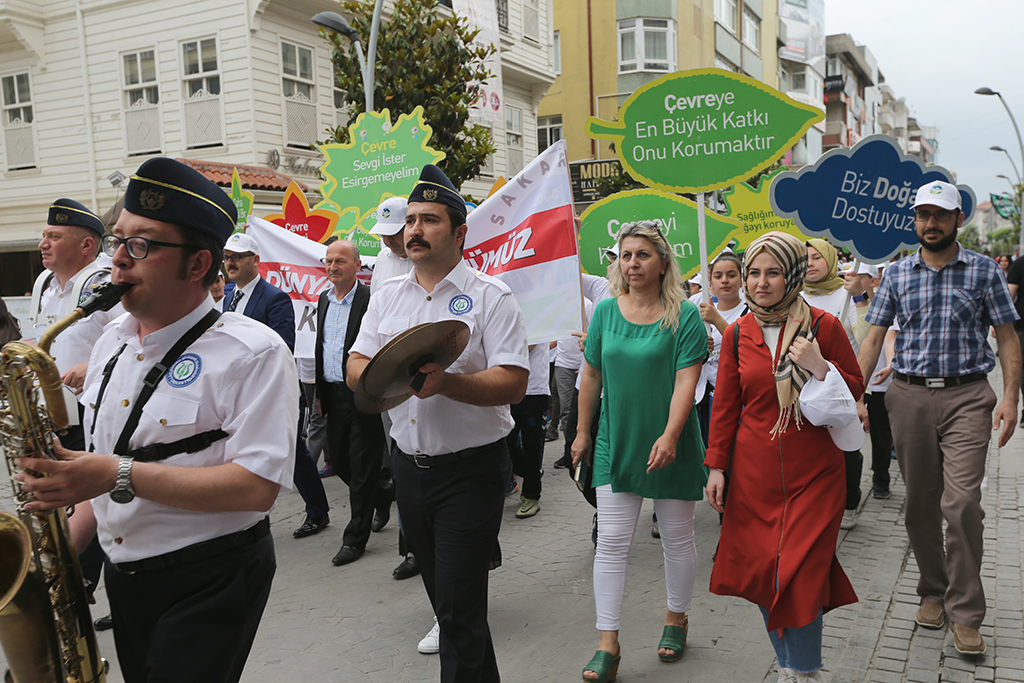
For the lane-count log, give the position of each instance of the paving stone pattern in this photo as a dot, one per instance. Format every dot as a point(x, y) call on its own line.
point(356, 623)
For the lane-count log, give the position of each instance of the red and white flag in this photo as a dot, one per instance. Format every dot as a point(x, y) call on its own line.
point(524, 235)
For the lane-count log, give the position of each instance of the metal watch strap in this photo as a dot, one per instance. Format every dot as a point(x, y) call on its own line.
point(123, 491)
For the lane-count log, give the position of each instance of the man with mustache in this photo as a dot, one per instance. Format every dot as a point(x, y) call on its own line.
point(450, 461)
point(940, 405)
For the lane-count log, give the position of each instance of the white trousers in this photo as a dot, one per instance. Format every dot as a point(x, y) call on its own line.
point(617, 516)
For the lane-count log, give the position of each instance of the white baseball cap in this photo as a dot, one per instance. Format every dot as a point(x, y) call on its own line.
point(938, 194)
point(829, 403)
point(697, 280)
point(240, 243)
point(867, 269)
point(390, 216)
point(613, 250)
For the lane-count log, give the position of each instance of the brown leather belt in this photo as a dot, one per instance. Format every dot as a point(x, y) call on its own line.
point(939, 382)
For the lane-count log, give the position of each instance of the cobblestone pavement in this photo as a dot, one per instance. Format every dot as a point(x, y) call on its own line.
point(356, 623)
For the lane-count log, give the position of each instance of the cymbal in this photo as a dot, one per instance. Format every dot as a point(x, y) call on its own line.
point(393, 372)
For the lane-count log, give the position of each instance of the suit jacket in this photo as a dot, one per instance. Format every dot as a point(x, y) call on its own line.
point(360, 302)
point(272, 307)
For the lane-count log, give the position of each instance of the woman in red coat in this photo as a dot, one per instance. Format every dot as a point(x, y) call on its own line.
point(786, 476)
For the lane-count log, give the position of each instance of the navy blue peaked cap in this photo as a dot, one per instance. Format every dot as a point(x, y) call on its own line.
point(434, 186)
point(70, 212)
point(167, 190)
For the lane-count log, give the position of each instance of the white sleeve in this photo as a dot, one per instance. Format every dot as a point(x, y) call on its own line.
point(504, 334)
point(368, 340)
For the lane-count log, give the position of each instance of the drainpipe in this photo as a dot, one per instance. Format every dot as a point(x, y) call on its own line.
point(88, 108)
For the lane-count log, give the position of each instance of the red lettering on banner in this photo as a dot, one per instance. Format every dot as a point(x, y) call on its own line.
point(545, 236)
point(301, 283)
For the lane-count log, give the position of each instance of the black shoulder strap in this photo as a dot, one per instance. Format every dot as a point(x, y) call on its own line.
point(736, 341)
point(107, 370)
point(157, 372)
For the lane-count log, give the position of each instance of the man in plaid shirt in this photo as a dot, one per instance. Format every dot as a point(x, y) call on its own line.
point(945, 298)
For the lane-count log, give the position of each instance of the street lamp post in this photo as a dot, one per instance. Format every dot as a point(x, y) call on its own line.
point(333, 21)
point(997, 148)
point(1020, 188)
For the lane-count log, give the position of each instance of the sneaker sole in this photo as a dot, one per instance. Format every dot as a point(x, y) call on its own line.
point(527, 515)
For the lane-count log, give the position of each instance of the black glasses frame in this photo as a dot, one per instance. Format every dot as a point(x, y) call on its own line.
point(110, 244)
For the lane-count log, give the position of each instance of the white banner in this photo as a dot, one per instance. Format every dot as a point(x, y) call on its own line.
point(484, 16)
point(524, 235)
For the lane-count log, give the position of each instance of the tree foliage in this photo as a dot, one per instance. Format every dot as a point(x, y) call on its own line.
point(424, 58)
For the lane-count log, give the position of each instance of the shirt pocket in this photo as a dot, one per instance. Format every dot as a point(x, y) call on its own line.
point(389, 328)
point(967, 305)
point(167, 411)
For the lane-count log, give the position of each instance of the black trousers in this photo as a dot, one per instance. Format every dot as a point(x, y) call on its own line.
point(356, 449)
point(305, 476)
point(451, 515)
point(193, 622)
point(529, 428)
point(854, 466)
point(881, 439)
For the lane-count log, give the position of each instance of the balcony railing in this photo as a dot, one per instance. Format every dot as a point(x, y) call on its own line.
point(502, 15)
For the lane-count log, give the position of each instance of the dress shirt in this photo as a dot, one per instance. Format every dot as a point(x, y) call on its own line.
point(595, 288)
point(246, 293)
point(540, 372)
point(944, 315)
point(335, 329)
point(439, 425)
point(387, 266)
point(238, 376)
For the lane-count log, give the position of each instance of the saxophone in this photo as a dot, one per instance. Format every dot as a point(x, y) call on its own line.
point(45, 627)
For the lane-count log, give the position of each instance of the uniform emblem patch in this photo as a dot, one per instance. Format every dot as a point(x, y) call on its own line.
point(460, 305)
point(430, 194)
point(151, 200)
point(185, 370)
point(62, 218)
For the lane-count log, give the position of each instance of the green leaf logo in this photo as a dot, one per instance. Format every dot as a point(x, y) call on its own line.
point(676, 215)
point(700, 130)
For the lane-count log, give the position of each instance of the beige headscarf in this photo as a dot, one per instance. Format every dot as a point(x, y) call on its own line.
point(792, 311)
point(832, 280)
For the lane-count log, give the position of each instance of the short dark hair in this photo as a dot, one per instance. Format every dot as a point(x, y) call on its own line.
point(202, 241)
point(456, 218)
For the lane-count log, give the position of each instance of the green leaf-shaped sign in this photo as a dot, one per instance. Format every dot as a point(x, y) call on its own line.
point(700, 130)
point(676, 215)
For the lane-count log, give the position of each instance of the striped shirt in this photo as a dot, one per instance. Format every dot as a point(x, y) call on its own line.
point(944, 315)
point(335, 329)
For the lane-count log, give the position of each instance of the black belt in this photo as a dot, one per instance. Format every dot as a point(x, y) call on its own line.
point(939, 382)
point(203, 550)
point(428, 461)
point(337, 386)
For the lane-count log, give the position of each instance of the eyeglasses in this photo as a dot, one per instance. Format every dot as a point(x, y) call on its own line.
point(231, 258)
point(137, 247)
point(940, 215)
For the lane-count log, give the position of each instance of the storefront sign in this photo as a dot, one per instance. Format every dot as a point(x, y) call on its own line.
point(585, 176)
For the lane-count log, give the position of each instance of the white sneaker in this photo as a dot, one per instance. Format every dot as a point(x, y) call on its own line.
point(431, 643)
point(849, 519)
point(787, 675)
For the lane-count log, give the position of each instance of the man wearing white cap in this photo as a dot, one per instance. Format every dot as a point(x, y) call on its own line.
point(945, 298)
point(392, 260)
point(254, 296)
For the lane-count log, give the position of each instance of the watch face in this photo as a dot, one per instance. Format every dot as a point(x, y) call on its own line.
point(122, 495)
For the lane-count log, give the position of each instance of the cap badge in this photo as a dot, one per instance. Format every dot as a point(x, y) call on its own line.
point(62, 218)
point(385, 212)
point(936, 189)
point(152, 200)
point(430, 194)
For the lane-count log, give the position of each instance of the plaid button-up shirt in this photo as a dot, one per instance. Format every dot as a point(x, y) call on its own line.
point(944, 315)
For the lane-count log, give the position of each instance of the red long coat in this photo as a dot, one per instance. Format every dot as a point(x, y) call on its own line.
point(786, 496)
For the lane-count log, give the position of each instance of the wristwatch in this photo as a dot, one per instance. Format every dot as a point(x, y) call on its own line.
point(123, 492)
point(860, 297)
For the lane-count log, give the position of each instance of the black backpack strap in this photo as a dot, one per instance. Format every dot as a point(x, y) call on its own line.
point(190, 444)
point(107, 370)
point(156, 373)
point(736, 341)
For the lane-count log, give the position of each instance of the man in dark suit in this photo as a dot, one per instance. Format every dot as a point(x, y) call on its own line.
point(256, 298)
point(356, 439)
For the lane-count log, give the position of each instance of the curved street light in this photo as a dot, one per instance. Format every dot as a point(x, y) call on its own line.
point(332, 21)
point(997, 148)
point(1020, 187)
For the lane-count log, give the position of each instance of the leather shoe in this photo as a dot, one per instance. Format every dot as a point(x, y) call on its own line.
point(312, 525)
point(380, 519)
point(408, 569)
point(930, 615)
point(104, 623)
point(967, 640)
point(347, 554)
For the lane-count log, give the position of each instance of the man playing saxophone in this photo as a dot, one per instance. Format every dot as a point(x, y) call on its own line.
point(190, 427)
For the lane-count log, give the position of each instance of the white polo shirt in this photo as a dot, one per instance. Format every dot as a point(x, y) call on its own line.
point(439, 425)
point(239, 376)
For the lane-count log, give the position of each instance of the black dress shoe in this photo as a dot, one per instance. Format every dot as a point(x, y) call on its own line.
point(104, 623)
point(312, 525)
point(347, 554)
point(408, 569)
point(380, 519)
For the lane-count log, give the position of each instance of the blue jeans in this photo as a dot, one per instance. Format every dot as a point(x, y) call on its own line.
point(797, 648)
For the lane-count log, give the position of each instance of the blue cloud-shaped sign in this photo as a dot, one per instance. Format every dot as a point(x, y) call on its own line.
point(861, 197)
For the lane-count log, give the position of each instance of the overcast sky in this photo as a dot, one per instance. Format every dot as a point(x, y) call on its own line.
point(936, 54)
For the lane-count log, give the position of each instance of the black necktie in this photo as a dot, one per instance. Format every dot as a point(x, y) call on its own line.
point(234, 300)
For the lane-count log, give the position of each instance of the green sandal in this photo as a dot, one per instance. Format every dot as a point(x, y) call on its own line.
point(605, 665)
point(673, 638)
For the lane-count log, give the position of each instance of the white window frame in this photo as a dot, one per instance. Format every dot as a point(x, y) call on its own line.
point(297, 78)
point(141, 86)
point(202, 76)
point(640, 28)
point(751, 30)
point(209, 104)
point(546, 124)
point(798, 75)
point(726, 13)
point(531, 8)
point(723, 63)
point(13, 119)
point(141, 109)
point(514, 127)
point(487, 169)
point(556, 52)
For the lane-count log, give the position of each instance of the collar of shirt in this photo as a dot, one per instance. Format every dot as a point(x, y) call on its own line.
point(959, 258)
point(249, 288)
point(332, 295)
point(165, 337)
point(56, 287)
point(457, 276)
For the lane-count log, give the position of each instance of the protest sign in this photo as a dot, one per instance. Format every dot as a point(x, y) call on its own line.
point(676, 215)
point(752, 207)
point(523, 234)
point(297, 217)
point(242, 199)
point(704, 129)
point(861, 197)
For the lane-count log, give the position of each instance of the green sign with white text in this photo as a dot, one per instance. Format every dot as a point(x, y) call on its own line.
point(676, 215)
point(700, 130)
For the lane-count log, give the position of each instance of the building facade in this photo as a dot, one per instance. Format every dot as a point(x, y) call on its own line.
point(93, 88)
point(851, 78)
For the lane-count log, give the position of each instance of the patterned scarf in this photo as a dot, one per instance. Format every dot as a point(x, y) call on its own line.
point(791, 311)
point(832, 281)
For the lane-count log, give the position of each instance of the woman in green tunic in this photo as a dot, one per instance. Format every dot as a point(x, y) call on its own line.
point(644, 349)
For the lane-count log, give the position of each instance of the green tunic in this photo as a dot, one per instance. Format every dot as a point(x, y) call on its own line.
point(638, 365)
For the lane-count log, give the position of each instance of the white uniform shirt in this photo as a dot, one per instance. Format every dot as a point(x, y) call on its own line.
point(388, 266)
point(540, 372)
point(595, 288)
point(439, 425)
point(73, 345)
point(238, 376)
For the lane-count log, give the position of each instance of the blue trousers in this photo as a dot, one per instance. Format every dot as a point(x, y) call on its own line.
point(797, 648)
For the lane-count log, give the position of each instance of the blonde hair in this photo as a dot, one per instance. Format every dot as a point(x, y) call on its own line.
point(672, 293)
